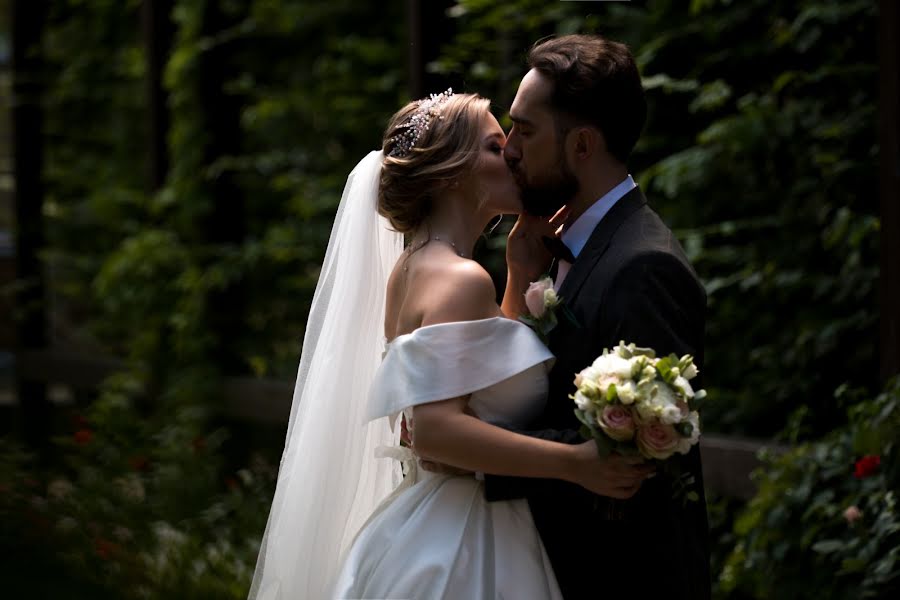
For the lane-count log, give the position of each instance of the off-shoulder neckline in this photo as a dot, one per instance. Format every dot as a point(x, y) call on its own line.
point(450, 323)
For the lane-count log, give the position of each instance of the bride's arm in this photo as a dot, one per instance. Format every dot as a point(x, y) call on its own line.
point(443, 431)
point(527, 259)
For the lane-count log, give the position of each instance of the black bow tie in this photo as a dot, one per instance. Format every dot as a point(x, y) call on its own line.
point(558, 249)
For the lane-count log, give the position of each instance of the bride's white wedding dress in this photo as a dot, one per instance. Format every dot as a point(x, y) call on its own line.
point(341, 522)
point(436, 536)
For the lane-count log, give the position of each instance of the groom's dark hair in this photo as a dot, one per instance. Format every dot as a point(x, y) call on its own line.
point(596, 82)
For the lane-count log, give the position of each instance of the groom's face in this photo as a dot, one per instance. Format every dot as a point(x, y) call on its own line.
point(535, 149)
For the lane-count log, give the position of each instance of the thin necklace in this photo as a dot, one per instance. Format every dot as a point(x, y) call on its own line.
point(436, 238)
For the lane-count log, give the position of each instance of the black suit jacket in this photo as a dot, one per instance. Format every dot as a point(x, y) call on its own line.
point(631, 282)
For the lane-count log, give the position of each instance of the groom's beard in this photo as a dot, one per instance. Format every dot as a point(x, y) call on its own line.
point(544, 197)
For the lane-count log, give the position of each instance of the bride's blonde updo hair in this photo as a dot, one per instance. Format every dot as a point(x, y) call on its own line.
point(413, 173)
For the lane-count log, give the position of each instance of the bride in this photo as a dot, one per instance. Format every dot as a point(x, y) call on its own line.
point(345, 522)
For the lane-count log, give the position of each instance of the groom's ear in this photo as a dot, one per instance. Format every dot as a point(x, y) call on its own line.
point(589, 142)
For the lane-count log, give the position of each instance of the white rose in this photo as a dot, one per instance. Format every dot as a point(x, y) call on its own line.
point(591, 374)
point(670, 414)
point(614, 365)
point(664, 395)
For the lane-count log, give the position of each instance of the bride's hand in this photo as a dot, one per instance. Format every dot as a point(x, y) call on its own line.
point(525, 252)
point(615, 476)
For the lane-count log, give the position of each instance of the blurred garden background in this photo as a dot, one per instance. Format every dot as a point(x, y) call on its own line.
point(169, 172)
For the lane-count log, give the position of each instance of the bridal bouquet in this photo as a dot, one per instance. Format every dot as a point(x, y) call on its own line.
point(631, 402)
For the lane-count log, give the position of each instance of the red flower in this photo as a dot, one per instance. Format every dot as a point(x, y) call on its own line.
point(139, 463)
point(231, 483)
point(866, 466)
point(83, 436)
point(199, 443)
point(105, 548)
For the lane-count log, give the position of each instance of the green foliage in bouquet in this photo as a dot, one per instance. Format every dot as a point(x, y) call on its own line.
point(826, 520)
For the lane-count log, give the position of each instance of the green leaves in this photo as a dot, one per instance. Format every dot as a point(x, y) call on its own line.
point(809, 499)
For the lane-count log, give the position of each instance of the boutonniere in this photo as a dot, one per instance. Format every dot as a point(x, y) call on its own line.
point(543, 305)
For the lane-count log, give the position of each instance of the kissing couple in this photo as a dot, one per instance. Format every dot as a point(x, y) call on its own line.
point(498, 496)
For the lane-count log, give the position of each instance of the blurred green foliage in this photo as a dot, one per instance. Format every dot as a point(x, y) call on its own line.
point(759, 151)
point(820, 526)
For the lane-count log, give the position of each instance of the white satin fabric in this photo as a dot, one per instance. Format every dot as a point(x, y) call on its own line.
point(436, 536)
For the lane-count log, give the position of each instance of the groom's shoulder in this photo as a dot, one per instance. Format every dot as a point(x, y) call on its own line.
point(646, 239)
point(644, 232)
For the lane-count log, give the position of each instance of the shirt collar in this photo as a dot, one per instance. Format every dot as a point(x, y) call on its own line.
point(577, 234)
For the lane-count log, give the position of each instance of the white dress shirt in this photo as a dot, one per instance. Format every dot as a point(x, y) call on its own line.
point(578, 233)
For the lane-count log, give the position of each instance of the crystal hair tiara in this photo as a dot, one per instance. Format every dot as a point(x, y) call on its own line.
point(417, 124)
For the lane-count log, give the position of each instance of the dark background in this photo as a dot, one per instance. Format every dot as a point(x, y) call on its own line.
point(169, 172)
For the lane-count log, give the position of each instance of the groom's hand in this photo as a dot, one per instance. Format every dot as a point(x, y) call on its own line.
point(615, 476)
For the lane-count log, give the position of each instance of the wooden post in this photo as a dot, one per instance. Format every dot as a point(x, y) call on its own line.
point(416, 62)
point(429, 28)
point(889, 184)
point(157, 31)
point(27, 141)
point(225, 224)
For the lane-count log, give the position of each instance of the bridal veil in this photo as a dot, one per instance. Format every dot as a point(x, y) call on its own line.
point(329, 480)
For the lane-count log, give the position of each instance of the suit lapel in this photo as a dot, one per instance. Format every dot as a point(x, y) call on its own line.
point(599, 242)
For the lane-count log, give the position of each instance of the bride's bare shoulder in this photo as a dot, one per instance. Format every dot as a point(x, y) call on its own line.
point(458, 290)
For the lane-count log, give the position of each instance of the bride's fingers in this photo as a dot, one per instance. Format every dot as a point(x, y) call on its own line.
point(537, 226)
point(560, 217)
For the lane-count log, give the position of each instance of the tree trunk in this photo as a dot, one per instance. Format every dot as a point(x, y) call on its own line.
point(157, 31)
point(889, 183)
point(27, 138)
point(225, 225)
point(429, 28)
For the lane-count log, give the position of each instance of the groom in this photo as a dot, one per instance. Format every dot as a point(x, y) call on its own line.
point(576, 117)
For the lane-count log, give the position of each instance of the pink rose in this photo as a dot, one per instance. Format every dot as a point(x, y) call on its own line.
point(534, 296)
point(657, 440)
point(616, 421)
point(852, 514)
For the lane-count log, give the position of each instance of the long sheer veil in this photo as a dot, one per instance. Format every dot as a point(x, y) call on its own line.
point(329, 480)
